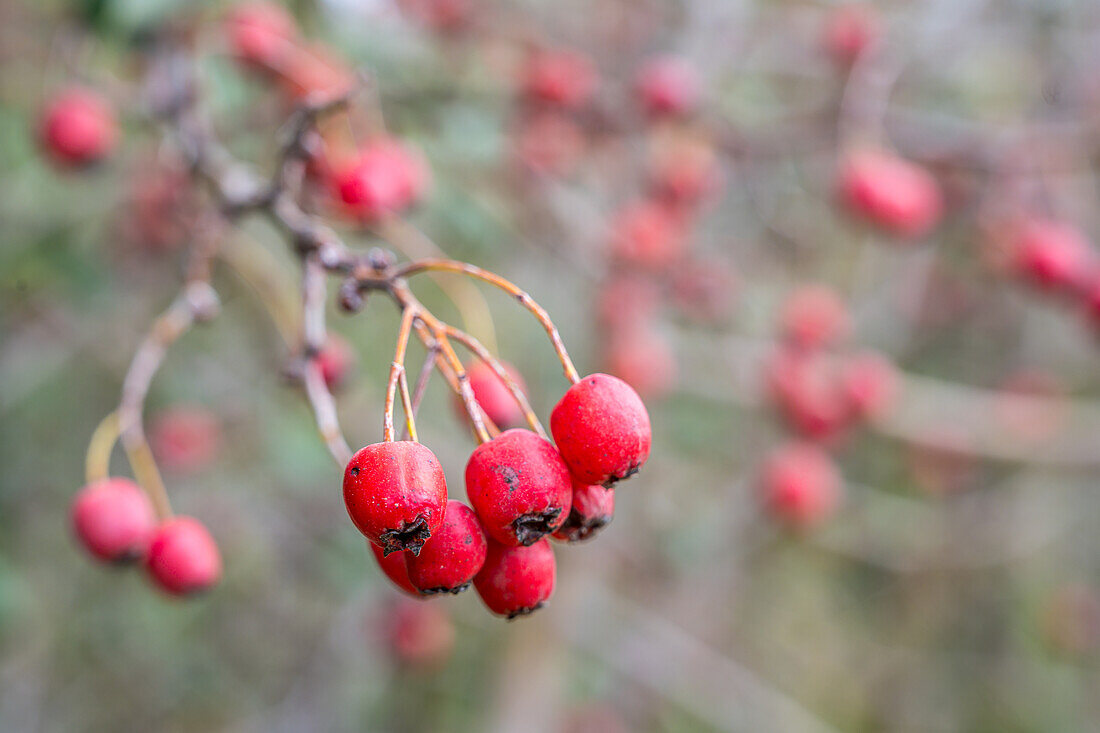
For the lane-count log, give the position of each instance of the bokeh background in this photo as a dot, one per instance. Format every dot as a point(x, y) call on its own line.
point(954, 588)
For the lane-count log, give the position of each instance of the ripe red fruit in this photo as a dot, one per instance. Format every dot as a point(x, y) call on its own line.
point(394, 568)
point(386, 177)
point(642, 358)
point(445, 16)
point(592, 509)
point(313, 71)
point(185, 438)
point(668, 85)
point(183, 557)
point(516, 580)
point(808, 391)
point(260, 34)
point(627, 299)
point(801, 485)
point(113, 518)
point(493, 395)
point(814, 316)
point(452, 557)
point(602, 430)
point(396, 494)
point(648, 234)
point(1052, 255)
point(519, 486)
point(705, 290)
point(419, 634)
point(898, 196)
point(335, 359)
point(77, 128)
point(870, 383)
point(849, 31)
point(685, 172)
point(549, 142)
point(561, 78)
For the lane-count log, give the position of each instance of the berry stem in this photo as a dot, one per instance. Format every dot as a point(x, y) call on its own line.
point(397, 372)
point(97, 463)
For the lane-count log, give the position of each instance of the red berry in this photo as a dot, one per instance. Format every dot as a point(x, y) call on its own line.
point(386, 177)
point(814, 316)
point(113, 518)
point(493, 395)
point(394, 568)
point(705, 290)
point(642, 358)
point(519, 486)
point(185, 438)
point(685, 172)
point(602, 430)
point(419, 634)
point(592, 509)
point(183, 557)
point(849, 31)
point(649, 235)
point(260, 34)
point(452, 557)
point(668, 85)
point(396, 494)
point(870, 383)
point(801, 485)
point(1052, 255)
point(562, 78)
point(549, 142)
point(77, 128)
point(445, 16)
point(809, 393)
point(336, 359)
point(627, 299)
point(899, 197)
point(516, 580)
point(313, 72)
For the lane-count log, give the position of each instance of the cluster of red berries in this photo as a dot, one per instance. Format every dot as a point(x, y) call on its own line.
point(114, 519)
point(522, 491)
point(820, 395)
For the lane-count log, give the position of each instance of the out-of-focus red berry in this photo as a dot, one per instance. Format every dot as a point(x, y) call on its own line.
point(559, 77)
point(870, 383)
point(648, 235)
point(1052, 255)
point(705, 290)
point(386, 177)
point(627, 299)
point(668, 85)
point(801, 485)
point(809, 394)
point(493, 395)
point(419, 635)
point(849, 31)
point(899, 197)
point(813, 317)
point(642, 358)
point(113, 519)
point(77, 128)
point(313, 72)
point(444, 16)
point(261, 35)
point(183, 557)
point(336, 360)
point(549, 142)
point(185, 438)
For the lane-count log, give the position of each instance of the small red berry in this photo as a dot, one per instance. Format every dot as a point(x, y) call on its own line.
point(1052, 255)
point(685, 173)
point(627, 299)
point(516, 580)
point(260, 34)
point(648, 234)
point(870, 383)
point(394, 568)
point(419, 635)
point(493, 395)
point(386, 177)
point(336, 359)
point(899, 197)
point(549, 142)
point(77, 128)
point(801, 485)
point(592, 509)
point(452, 557)
point(705, 290)
point(519, 486)
point(814, 316)
point(667, 86)
point(809, 393)
point(396, 494)
point(560, 77)
point(185, 438)
point(183, 557)
point(313, 71)
point(113, 519)
point(445, 16)
point(643, 358)
point(849, 31)
point(602, 430)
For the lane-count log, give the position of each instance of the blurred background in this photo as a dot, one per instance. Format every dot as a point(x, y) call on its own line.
point(842, 251)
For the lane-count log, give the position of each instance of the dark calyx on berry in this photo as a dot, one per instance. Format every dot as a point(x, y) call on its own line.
point(530, 528)
point(410, 537)
point(578, 527)
point(525, 611)
point(610, 483)
point(443, 589)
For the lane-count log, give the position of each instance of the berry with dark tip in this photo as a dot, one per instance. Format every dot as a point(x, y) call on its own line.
point(519, 486)
point(602, 429)
point(394, 568)
point(396, 494)
point(183, 557)
point(113, 518)
point(516, 581)
point(592, 510)
point(449, 561)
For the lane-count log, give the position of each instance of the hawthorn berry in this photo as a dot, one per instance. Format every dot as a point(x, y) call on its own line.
point(809, 394)
point(801, 485)
point(519, 486)
point(814, 316)
point(396, 494)
point(870, 383)
point(77, 128)
point(899, 197)
point(516, 581)
point(643, 358)
point(114, 519)
point(393, 567)
point(444, 16)
point(592, 509)
point(419, 635)
point(493, 395)
point(185, 438)
point(386, 177)
point(668, 86)
point(449, 561)
point(627, 299)
point(335, 359)
point(685, 173)
point(849, 31)
point(1052, 255)
point(183, 557)
point(313, 71)
point(560, 78)
point(602, 430)
point(704, 290)
point(260, 34)
point(549, 142)
point(648, 234)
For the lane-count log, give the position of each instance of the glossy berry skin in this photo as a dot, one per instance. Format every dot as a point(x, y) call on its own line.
point(183, 557)
point(386, 177)
point(899, 197)
point(396, 494)
point(77, 128)
point(393, 567)
point(516, 581)
point(602, 429)
point(668, 86)
point(113, 518)
point(813, 317)
point(519, 486)
point(260, 34)
point(592, 509)
point(870, 384)
point(801, 485)
point(1051, 255)
point(452, 557)
point(493, 395)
